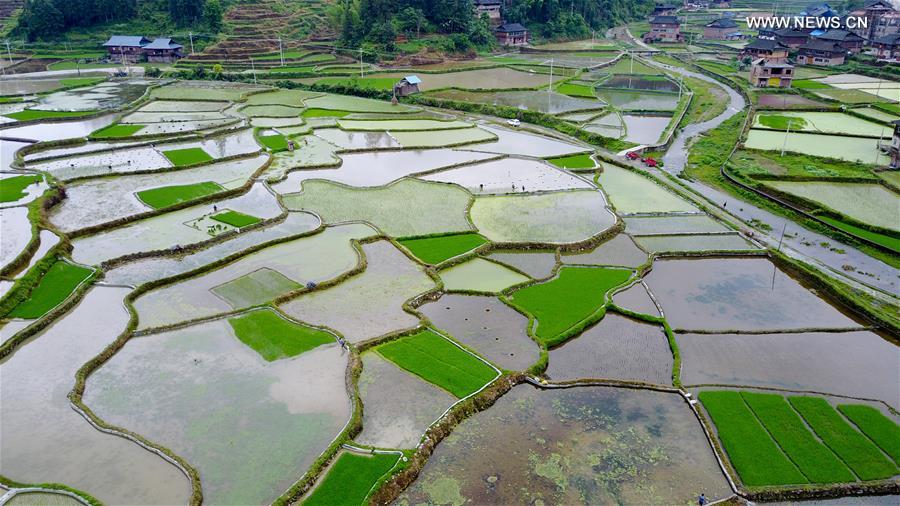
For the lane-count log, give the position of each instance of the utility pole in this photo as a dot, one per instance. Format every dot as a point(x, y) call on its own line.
point(878, 146)
point(191, 36)
point(360, 63)
point(281, 51)
point(8, 52)
point(786, 132)
point(253, 67)
point(550, 88)
point(632, 62)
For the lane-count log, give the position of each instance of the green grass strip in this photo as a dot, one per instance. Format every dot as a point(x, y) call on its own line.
point(860, 454)
point(752, 452)
point(574, 295)
point(117, 131)
point(434, 250)
point(276, 142)
point(808, 84)
point(166, 196)
point(880, 429)
point(315, 112)
point(351, 478)
point(235, 218)
point(582, 161)
point(274, 337)
point(13, 188)
point(438, 361)
point(57, 284)
point(30, 114)
point(813, 458)
point(887, 241)
point(187, 156)
point(780, 122)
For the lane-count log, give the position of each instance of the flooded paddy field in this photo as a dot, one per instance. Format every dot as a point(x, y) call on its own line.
point(636, 100)
point(590, 444)
point(810, 361)
point(868, 203)
point(821, 122)
point(374, 272)
point(852, 149)
point(738, 294)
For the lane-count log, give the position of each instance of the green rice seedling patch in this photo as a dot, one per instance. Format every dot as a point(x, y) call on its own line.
point(271, 111)
point(351, 478)
point(315, 112)
point(276, 142)
point(76, 82)
point(751, 450)
point(57, 284)
point(860, 454)
point(257, 287)
point(574, 296)
point(166, 196)
point(235, 218)
point(291, 98)
point(13, 188)
point(891, 108)
point(354, 104)
point(33, 114)
point(813, 458)
point(780, 122)
point(576, 90)
point(582, 161)
point(880, 429)
point(274, 337)
point(436, 360)
point(809, 84)
point(882, 239)
point(434, 250)
point(292, 55)
point(116, 131)
point(187, 156)
point(371, 83)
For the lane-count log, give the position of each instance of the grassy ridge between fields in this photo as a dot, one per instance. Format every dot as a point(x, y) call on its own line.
point(573, 296)
point(434, 250)
point(771, 440)
point(274, 337)
point(57, 284)
point(351, 478)
point(166, 196)
point(438, 361)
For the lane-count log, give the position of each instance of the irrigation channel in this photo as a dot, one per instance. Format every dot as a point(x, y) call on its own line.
point(798, 242)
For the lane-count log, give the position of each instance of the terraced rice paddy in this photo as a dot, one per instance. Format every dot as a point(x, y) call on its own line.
point(853, 149)
point(821, 122)
point(364, 308)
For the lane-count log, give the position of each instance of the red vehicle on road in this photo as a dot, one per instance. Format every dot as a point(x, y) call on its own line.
point(650, 162)
point(632, 155)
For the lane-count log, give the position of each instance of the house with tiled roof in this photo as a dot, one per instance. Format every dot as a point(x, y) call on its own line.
point(163, 50)
point(821, 52)
point(846, 39)
point(722, 29)
point(664, 29)
point(126, 47)
point(767, 49)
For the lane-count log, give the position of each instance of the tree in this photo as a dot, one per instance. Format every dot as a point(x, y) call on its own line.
point(41, 19)
point(480, 32)
point(212, 15)
point(184, 12)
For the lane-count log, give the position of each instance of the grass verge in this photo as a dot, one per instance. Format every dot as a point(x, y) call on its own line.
point(274, 337)
point(166, 196)
point(860, 454)
point(572, 297)
point(751, 450)
point(57, 284)
point(438, 361)
point(434, 250)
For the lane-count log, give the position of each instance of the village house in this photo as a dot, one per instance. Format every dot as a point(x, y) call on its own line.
point(882, 19)
point(664, 10)
point(767, 49)
point(489, 7)
point(664, 29)
point(511, 34)
point(850, 41)
point(821, 52)
point(126, 47)
point(791, 38)
point(766, 74)
point(895, 145)
point(722, 29)
point(887, 47)
point(720, 4)
point(819, 11)
point(162, 50)
point(407, 86)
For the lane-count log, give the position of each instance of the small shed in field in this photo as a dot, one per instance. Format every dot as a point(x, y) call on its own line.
point(407, 86)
